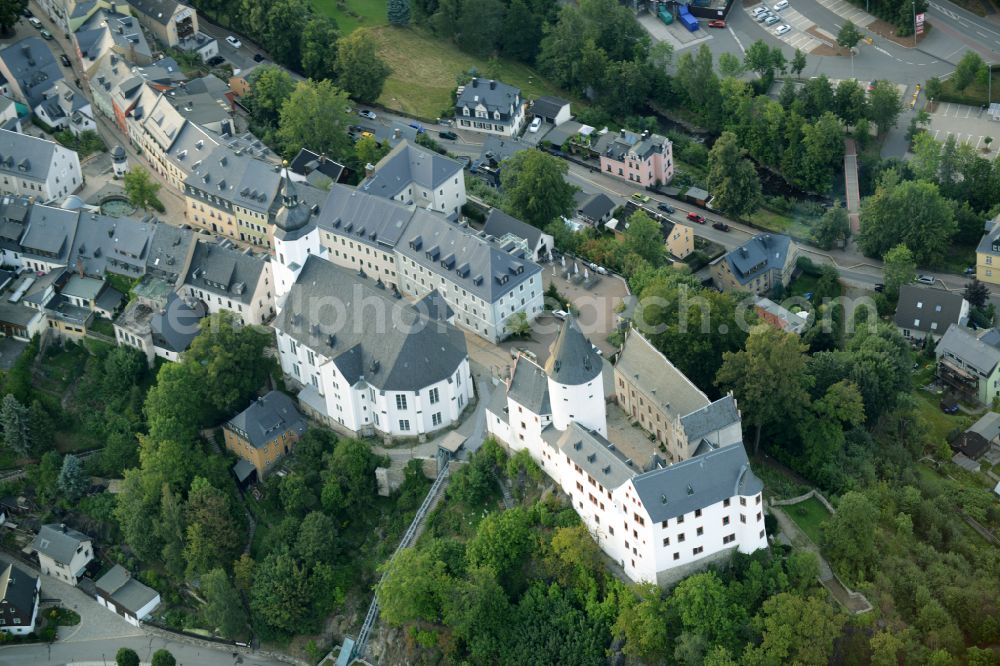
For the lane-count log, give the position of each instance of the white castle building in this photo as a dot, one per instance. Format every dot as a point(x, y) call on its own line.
point(367, 361)
point(659, 521)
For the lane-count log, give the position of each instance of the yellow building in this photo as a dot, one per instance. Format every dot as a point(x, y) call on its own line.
point(680, 241)
point(265, 431)
point(988, 254)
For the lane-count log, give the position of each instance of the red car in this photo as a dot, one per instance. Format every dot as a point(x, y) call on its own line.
point(717, 23)
point(695, 217)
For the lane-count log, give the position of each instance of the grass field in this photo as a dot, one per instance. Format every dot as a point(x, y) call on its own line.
point(424, 71)
point(363, 13)
point(810, 516)
point(941, 424)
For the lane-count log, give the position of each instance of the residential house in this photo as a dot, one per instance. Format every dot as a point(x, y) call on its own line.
point(505, 228)
point(120, 593)
point(974, 442)
point(169, 21)
point(63, 552)
point(644, 159)
point(17, 320)
point(107, 32)
point(658, 521)
point(29, 70)
point(758, 266)
point(118, 245)
point(225, 278)
point(594, 209)
point(19, 595)
point(37, 167)
point(316, 169)
point(552, 110)
point(988, 254)
point(158, 322)
point(266, 431)
point(923, 312)
point(969, 362)
point(680, 240)
point(72, 15)
point(665, 403)
point(417, 175)
point(46, 240)
point(781, 317)
point(490, 106)
point(64, 106)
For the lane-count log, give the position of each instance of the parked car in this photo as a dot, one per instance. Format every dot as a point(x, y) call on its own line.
point(721, 226)
point(536, 124)
point(949, 406)
point(695, 217)
point(717, 23)
point(879, 287)
point(779, 5)
point(666, 208)
point(45, 34)
point(35, 22)
point(450, 136)
point(465, 160)
point(64, 59)
point(365, 113)
point(782, 29)
point(235, 43)
point(926, 279)
point(871, 85)
point(215, 61)
point(417, 126)
point(971, 270)
point(758, 10)
point(560, 314)
point(764, 15)
point(771, 20)
point(257, 57)
point(26, 13)
point(640, 197)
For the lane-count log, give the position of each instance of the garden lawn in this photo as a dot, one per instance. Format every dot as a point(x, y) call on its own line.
point(809, 516)
point(425, 69)
point(792, 223)
point(368, 13)
point(941, 424)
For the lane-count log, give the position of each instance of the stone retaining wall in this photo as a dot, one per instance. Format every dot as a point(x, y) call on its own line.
point(802, 498)
point(213, 645)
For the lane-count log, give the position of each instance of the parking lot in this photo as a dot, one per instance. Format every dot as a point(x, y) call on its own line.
point(968, 124)
point(798, 37)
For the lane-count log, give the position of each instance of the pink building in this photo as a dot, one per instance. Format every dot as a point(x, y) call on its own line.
point(645, 159)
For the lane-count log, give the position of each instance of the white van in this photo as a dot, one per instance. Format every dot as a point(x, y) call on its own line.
point(780, 4)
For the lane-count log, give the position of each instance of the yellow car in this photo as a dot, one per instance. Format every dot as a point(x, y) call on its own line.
point(640, 197)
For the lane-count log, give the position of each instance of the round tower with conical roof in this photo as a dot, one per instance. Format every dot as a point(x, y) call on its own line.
point(296, 237)
point(119, 161)
point(575, 379)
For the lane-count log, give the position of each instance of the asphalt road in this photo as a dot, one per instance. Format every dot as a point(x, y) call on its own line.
point(101, 652)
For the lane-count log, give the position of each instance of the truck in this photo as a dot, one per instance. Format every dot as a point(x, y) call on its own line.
point(665, 15)
point(688, 21)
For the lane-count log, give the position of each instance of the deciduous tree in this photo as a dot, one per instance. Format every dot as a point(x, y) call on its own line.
point(319, 50)
point(732, 179)
point(315, 116)
point(272, 86)
point(126, 657)
point(10, 14)
point(223, 609)
point(833, 227)
point(141, 189)
point(213, 535)
point(884, 105)
point(898, 268)
point(798, 63)
point(795, 630)
point(534, 187)
point(360, 71)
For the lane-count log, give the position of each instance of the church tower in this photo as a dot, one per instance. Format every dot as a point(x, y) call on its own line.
point(296, 237)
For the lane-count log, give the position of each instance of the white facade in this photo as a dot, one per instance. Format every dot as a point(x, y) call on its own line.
point(71, 572)
point(56, 179)
point(659, 522)
point(255, 310)
point(290, 258)
point(135, 619)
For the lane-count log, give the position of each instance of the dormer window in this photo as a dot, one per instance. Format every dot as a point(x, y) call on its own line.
point(465, 110)
point(496, 115)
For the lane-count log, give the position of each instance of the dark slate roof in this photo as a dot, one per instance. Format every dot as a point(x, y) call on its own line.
point(594, 206)
point(17, 589)
point(58, 542)
point(16, 314)
point(24, 156)
point(502, 147)
point(293, 216)
point(307, 161)
point(245, 181)
point(658, 378)
point(596, 456)
point(920, 307)
point(178, 324)
point(168, 249)
point(373, 337)
point(696, 483)
point(494, 95)
point(618, 145)
point(971, 444)
point(408, 164)
point(266, 418)
point(481, 267)
point(50, 231)
point(762, 253)
point(548, 107)
point(499, 223)
point(435, 306)
point(160, 11)
point(369, 219)
point(712, 417)
point(990, 237)
point(34, 67)
point(125, 590)
point(498, 405)
point(572, 359)
point(220, 268)
point(118, 245)
point(243, 468)
point(988, 426)
point(962, 343)
point(529, 387)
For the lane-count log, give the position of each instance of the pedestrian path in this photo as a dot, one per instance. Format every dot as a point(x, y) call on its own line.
point(852, 13)
point(851, 185)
